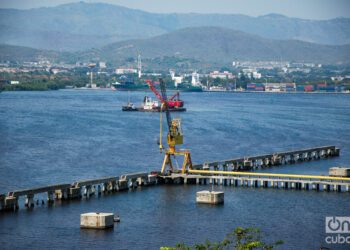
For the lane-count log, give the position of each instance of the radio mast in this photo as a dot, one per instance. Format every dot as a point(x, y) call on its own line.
point(139, 66)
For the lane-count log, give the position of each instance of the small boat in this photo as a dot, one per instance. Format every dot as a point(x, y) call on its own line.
point(129, 107)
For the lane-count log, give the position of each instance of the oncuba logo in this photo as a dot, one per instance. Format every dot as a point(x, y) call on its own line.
point(336, 224)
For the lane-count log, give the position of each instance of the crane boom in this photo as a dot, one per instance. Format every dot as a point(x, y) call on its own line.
point(165, 103)
point(172, 102)
point(154, 90)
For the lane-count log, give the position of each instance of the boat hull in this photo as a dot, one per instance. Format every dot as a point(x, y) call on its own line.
point(140, 109)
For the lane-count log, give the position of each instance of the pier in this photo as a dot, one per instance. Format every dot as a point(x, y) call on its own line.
point(232, 172)
point(261, 180)
point(87, 188)
point(273, 159)
point(75, 190)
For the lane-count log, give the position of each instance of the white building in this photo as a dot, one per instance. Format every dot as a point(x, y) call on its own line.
point(177, 79)
point(122, 71)
point(280, 87)
point(14, 82)
point(195, 79)
point(251, 73)
point(221, 75)
point(256, 75)
point(102, 65)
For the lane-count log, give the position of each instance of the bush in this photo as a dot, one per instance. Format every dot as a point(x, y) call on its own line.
point(240, 239)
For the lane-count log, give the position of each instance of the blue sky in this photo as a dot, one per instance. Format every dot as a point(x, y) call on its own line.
point(308, 9)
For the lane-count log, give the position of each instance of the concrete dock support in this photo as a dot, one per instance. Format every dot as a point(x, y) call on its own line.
point(88, 191)
point(50, 197)
point(97, 220)
point(210, 197)
point(99, 190)
point(29, 201)
point(62, 194)
point(11, 203)
point(109, 187)
point(336, 152)
point(152, 180)
point(2, 203)
point(140, 181)
point(122, 185)
point(75, 193)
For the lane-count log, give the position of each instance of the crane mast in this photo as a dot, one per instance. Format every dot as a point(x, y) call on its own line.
point(174, 136)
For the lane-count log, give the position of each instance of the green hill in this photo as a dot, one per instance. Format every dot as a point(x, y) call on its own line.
point(81, 26)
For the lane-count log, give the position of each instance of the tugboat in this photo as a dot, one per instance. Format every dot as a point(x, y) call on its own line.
point(129, 107)
point(174, 103)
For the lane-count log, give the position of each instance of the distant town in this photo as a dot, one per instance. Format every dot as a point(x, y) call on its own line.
point(252, 76)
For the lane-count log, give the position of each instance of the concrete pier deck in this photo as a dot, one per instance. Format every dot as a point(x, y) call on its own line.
point(206, 173)
point(272, 159)
point(265, 180)
point(75, 190)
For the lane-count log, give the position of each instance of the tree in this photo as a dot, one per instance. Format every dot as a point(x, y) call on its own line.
point(239, 239)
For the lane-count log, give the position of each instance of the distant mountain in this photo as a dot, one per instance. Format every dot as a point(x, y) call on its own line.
point(220, 46)
point(24, 54)
point(195, 47)
point(82, 26)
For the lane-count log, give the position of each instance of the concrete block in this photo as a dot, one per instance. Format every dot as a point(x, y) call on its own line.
point(339, 172)
point(97, 220)
point(210, 197)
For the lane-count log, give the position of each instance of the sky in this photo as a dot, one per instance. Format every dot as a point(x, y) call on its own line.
point(306, 9)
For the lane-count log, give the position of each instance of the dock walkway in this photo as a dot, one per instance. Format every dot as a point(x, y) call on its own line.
point(272, 159)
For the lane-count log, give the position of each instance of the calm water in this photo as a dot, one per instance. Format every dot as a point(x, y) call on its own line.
point(63, 136)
